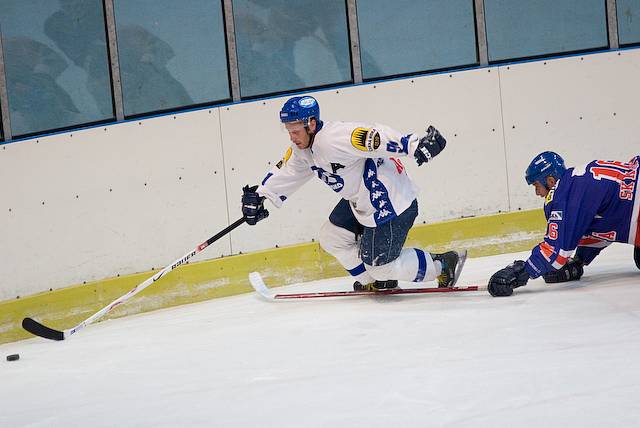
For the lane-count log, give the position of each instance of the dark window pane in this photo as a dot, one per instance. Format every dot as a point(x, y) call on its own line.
point(628, 21)
point(408, 36)
point(286, 45)
point(524, 28)
point(172, 54)
point(55, 57)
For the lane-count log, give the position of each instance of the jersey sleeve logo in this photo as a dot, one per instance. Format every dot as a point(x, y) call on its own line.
point(555, 216)
point(285, 158)
point(365, 139)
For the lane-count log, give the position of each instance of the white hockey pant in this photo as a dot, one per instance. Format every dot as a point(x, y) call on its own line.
point(342, 244)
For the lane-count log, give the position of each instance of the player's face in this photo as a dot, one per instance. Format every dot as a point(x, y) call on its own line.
point(541, 190)
point(298, 133)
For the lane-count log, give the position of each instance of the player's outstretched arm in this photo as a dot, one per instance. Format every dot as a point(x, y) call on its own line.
point(429, 146)
point(253, 208)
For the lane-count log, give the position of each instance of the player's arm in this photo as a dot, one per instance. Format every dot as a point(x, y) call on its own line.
point(287, 176)
point(382, 141)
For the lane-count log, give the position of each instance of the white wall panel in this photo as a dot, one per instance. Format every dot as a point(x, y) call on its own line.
point(583, 107)
point(106, 201)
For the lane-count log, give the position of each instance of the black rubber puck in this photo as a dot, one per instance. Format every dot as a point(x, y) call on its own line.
point(13, 357)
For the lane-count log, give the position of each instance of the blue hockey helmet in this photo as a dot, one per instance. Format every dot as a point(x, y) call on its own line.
point(300, 109)
point(543, 165)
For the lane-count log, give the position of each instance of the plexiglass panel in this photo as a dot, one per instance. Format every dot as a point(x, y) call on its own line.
point(628, 12)
point(524, 28)
point(172, 54)
point(408, 36)
point(285, 45)
point(56, 65)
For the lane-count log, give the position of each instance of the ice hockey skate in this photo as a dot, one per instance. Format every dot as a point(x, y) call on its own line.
point(452, 264)
point(376, 285)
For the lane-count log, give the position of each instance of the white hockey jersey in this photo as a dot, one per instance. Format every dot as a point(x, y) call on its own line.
point(358, 161)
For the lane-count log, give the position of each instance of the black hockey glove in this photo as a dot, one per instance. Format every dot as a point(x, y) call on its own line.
point(253, 208)
point(506, 279)
point(429, 146)
point(571, 271)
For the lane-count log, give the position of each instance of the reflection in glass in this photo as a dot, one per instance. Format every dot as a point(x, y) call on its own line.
point(284, 45)
point(56, 67)
point(628, 12)
point(170, 56)
point(524, 28)
point(432, 35)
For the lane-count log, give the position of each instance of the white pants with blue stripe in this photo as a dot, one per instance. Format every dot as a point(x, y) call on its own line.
point(413, 264)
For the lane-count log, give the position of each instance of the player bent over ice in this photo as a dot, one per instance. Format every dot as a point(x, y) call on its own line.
point(367, 229)
point(587, 208)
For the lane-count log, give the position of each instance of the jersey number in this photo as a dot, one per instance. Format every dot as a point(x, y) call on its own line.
point(622, 173)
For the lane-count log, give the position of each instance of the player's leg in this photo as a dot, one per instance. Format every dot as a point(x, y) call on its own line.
point(382, 253)
point(339, 237)
point(381, 249)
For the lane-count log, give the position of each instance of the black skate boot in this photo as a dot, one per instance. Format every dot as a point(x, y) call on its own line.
point(376, 285)
point(452, 263)
point(636, 256)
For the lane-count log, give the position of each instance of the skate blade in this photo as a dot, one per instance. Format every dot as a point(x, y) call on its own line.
point(462, 259)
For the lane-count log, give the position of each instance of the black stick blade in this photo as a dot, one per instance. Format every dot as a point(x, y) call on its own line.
point(34, 327)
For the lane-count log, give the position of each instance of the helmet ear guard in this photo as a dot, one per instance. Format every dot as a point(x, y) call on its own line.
point(544, 165)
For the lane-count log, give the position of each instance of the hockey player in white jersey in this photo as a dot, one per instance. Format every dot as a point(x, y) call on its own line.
point(367, 229)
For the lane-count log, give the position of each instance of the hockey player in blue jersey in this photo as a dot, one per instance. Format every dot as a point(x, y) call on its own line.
point(587, 209)
point(367, 229)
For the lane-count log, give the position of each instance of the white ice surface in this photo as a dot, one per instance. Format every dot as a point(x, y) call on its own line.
point(548, 356)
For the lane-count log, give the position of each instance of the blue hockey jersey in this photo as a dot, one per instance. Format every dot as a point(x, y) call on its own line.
point(590, 207)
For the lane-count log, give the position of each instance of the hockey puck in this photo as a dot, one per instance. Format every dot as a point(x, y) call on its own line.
point(13, 357)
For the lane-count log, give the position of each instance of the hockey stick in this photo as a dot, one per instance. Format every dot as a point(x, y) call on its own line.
point(258, 284)
point(38, 329)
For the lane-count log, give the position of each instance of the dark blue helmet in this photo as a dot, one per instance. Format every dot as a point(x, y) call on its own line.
point(543, 165)
point(300, 109)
